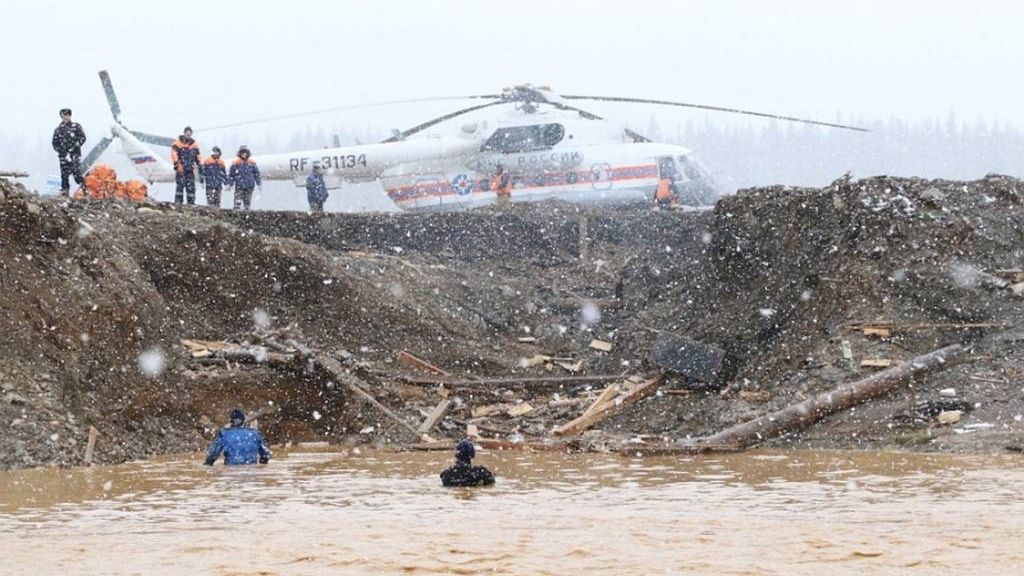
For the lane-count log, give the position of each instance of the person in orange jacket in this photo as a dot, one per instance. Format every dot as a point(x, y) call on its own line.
point(664, 195)
point(186, 160)
point(215, 174)
point(501, 185)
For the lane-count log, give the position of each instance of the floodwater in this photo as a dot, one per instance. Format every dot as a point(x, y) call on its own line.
point(822, 513)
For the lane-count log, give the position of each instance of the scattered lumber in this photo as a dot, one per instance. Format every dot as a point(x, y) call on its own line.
point(409, 360)
point(435, 416)
point(90, 445)
point(609, 408)
point(601, 345)
point(885, 327)
point(606, 395)
point(803, 414)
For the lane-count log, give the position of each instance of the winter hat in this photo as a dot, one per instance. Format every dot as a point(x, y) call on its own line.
point(64, 111)
point(237, 417)
point(216, 150)
point(464, 451)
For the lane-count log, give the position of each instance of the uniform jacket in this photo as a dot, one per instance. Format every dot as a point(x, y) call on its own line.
point(215, 172)
point(185, 154)
point(465, 474)
point(244, 174)
point(316, 189)
point(240, 445)
point(68, 138)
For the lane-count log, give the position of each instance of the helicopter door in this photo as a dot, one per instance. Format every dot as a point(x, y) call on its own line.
point(667, 168)
point(602, 174)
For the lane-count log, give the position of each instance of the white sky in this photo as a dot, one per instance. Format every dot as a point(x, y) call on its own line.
point(208, 62)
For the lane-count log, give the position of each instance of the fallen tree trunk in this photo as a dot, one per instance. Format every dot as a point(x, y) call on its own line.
point(802, 415)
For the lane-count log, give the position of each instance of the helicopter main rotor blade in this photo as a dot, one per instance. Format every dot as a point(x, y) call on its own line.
point(438, 120)
point(108, 89)
point(714, 108)
point(95, 153)
point(637, 137)
point(351, 107)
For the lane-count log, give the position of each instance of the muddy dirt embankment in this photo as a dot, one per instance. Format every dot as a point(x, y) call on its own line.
point(98, 297)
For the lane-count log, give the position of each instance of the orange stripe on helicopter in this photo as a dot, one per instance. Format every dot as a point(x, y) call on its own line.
point(444, 188)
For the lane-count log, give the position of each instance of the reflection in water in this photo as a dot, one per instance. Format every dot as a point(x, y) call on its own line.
point(379, 512)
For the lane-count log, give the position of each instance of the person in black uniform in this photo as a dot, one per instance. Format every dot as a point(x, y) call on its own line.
point(463, 473)
point(68, 138)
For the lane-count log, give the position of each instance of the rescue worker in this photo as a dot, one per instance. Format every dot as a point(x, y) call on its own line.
point(664, 195)
point(463, 473)
point(244, 176)
point(316, 190)
point(68, 138)
point(239, 443)
point(501, 185)
point(215, 173)
point(186, 160)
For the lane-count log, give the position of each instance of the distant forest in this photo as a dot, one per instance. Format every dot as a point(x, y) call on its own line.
point(739, 156)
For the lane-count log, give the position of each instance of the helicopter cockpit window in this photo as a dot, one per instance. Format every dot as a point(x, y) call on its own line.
point(690, 168)
point(524, 138)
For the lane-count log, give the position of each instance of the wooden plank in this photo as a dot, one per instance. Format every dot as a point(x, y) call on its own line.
point(609, 409)
point(91, 445)
point(601, 345)
point(881, 332)
point(606, 395)
point(411, 361)
point(435, 416)
point(876, 363)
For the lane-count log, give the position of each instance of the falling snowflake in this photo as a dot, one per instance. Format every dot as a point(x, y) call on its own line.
point(152, 362)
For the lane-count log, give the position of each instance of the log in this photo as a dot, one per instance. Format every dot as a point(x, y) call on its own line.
point(412, 361)
point(90, 445)
point(609, 409)
point(435, 416)
point(524, 381)
point(803, 414)
point(339, 374)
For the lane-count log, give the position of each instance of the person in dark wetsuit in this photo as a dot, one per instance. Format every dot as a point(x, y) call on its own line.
point(240, 444)
point(463, 473)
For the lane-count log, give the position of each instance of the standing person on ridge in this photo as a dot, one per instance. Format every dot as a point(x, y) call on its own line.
point(186, 160)
point(215, 173)
point(68, 138)
point(244, 176)
point(316, 190)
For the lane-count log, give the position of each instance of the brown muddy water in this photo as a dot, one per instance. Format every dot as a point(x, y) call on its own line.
point(386, 513)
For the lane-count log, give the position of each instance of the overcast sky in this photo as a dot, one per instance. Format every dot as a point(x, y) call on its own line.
point(207, 62)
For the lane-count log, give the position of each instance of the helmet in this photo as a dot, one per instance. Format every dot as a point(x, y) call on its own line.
point(465, 451)
point(237, 417)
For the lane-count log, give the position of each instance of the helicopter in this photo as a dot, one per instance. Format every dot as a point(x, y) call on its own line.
point(551, 148)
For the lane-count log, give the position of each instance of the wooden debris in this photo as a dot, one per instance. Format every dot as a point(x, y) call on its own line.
point(754, 395)
point(435, 416)
point(950, 416)
point(876, 363)
point(488, 410)
point(520, 409)
point(881, 326)
point(601, 345)
point(472, 431)
point(609, 408)
point(605, 396)
point(572, 367)
point(411, 361)
point(90, 445)
point(535, 360)
point(879, 331)
point(1017, 289)
point(803, 414)
point(526, 339)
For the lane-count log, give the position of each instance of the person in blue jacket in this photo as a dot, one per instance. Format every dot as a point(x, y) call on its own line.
point(244, 175)
point(316, 190)
point(216, 175)
point(239, 443)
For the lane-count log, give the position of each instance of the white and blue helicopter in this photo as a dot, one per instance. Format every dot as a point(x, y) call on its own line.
point(551, 149)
